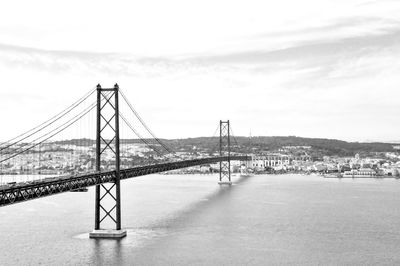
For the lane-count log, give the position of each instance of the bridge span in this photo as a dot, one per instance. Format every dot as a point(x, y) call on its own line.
point(42, 188)
point(107, 147)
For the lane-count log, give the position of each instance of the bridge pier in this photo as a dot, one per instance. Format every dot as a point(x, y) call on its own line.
point(224, 150)
point(108, 233)
point(108, 196)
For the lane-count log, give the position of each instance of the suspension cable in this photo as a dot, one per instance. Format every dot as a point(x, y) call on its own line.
point(62, 129)
point(144, 124)
point(47, 123)
point(66, 125)
point(55, 129)
point(213, 136)
point(139, 136)
point(233, 135)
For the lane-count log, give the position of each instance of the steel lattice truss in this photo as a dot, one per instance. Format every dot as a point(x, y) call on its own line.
point(24, 192)
point(225, 150)
point(107, 121)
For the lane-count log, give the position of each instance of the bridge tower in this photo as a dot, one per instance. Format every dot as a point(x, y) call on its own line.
point(108, 195)
point(224, 150)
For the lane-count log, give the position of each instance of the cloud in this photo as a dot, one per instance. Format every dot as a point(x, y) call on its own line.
point(48, 60)
point(359, 24)
point(308, 49)
point(302, 77)
point(114, 64)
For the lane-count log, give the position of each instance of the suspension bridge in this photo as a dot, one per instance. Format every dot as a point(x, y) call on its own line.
point(44, 147)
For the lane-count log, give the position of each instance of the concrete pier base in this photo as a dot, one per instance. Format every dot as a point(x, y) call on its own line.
point(108, 233)
point(225, 183)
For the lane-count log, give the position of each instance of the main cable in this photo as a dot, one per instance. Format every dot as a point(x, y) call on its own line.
point(73, 122)
point(233, 135)
point(49, 122)
point(51, 131)
point(139, 136)
point(144, 124)
point(80, 115)
point(213, 136)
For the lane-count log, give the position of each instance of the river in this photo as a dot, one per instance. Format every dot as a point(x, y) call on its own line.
point(189, 219)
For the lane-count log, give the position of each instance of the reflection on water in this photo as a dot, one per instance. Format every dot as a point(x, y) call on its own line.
point(181, 220)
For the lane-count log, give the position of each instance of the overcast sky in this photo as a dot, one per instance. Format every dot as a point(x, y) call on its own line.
point(311, 68)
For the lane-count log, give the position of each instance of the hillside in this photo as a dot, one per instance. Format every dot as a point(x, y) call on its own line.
point(319, 146)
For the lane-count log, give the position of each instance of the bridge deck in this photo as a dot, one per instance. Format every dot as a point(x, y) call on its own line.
point(37, 189)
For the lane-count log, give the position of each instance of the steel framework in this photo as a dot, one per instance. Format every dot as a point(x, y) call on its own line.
point(224, 151)
point(56, 185)
point(108, 112)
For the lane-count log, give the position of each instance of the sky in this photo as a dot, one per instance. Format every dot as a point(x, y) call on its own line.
point(311, 68)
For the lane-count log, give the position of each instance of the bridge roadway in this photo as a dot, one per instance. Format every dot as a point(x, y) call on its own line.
point(52, 186)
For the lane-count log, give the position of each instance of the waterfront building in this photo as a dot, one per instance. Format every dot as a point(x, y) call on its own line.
point(279, 161)
point(362, 172)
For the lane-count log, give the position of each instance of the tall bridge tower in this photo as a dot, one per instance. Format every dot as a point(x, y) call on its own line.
point(108, 195)
point(224, 150)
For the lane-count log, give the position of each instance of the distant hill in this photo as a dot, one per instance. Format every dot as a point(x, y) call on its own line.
point(326, 146)
point(319, 146)
point(77, 142)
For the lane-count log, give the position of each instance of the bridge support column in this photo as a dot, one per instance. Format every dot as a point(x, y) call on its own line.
point(224, 150)
point(108, 196)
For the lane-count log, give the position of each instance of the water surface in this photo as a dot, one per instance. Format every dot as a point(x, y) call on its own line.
point(189, 219)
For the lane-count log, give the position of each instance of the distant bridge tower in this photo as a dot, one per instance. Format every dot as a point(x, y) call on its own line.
point(108, 195)
point(224, 150)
